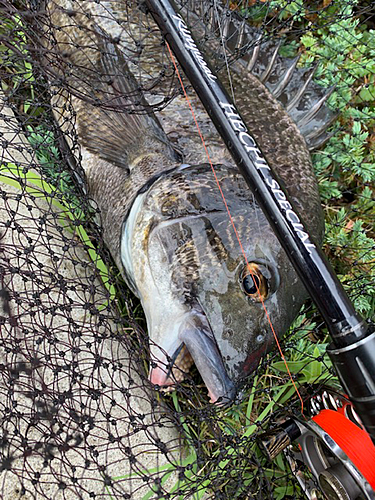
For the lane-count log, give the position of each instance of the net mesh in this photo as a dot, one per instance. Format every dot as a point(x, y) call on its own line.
point(79, 418)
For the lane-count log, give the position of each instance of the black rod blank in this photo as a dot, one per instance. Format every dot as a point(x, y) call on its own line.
point(346, 327)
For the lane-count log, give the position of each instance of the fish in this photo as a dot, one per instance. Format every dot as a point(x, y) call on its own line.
point(163, 217)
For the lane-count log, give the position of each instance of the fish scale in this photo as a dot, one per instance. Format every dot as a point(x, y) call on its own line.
point(259, 54)
point(163, 216)
point(275, 131)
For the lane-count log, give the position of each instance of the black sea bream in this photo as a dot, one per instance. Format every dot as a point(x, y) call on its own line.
point(163, 217)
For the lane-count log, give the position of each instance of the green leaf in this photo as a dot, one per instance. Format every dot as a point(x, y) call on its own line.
point(367, 93)
point(294, 366)
point(284, 491)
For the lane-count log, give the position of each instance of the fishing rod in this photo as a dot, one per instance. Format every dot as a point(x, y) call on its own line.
point(352, 350)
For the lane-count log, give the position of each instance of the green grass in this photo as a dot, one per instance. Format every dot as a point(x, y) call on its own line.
point(36, 186)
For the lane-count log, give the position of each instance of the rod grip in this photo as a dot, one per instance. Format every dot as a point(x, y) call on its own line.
point(355, 366)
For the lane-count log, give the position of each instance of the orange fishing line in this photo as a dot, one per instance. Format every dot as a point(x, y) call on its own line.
point(353, 440)
point(233, 224)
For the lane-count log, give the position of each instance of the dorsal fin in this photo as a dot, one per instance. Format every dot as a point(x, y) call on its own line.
point(294, 88)
point(137, 128)
point(113, 119)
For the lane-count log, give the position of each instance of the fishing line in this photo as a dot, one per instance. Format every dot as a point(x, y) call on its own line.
point(233, 224)
point(231, 84)
point(353, 440)
point(224, 52)
point(230, 80)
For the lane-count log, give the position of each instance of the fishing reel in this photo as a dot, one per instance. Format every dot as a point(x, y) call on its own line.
point(330, 454)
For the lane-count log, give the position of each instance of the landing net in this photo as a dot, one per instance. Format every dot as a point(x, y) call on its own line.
point(79, 418)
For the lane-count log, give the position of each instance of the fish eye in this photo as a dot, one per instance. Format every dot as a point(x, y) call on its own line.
point(250, 284)
point(253, 282)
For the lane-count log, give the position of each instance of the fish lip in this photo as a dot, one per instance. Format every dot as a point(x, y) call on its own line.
point(161, 374)
point(195, 333)
point(199, 339)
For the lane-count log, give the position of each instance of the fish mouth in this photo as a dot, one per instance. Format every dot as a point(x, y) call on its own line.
point(197, 345)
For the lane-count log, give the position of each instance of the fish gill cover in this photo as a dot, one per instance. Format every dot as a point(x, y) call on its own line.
point(79, 416)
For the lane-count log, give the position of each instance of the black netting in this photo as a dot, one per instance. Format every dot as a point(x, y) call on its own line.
point(79, 417)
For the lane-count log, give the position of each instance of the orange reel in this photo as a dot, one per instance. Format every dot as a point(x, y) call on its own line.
point(337, 450)
point(354, 441)
point(332, 444)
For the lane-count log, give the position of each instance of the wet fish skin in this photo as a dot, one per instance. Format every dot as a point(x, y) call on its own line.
point(193, 260)
point(280, 140)
point(82, 68)
point(167, 228)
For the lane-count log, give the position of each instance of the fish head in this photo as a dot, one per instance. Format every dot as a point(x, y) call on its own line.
point(214, 288)
point(251, 303)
